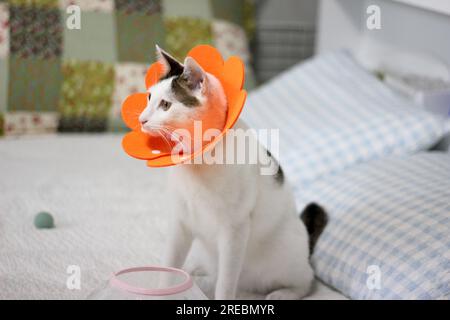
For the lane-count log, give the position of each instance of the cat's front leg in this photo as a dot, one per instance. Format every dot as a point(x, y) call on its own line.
point(178, 245)
point(232, 247)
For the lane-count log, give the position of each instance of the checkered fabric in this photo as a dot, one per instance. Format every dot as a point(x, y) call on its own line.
point(332, 114)
point(388, 235)
point(56, 77)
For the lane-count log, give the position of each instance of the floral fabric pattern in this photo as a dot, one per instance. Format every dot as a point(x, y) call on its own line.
point(22, 122)
point(128, 80)
point(4, 30)
point(89, 5)
point(35, 32)
point(35, 3)
point(182, 34)
point(34, 84)
point(137, 35)
point(144, 7)
point(86, 96)
point(53, 77)
point(230, 39)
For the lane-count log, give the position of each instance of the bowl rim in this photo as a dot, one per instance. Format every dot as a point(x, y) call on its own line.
point(186, 284)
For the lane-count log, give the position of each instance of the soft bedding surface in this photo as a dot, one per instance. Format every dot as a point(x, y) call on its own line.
point(388, 235)
point(332, 114)
point(108, 208)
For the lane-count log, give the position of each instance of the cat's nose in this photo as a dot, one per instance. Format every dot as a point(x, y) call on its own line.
point(143, 122)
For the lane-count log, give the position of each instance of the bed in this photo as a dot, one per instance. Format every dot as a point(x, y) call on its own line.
point(108, 209)
point(339, 124)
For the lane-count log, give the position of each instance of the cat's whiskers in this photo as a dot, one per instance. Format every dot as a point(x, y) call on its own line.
point(174, 137)
point(166, 140)
point(160, 131)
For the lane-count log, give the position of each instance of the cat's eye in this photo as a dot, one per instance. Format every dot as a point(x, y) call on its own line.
point(165, 105)
point(149, 96)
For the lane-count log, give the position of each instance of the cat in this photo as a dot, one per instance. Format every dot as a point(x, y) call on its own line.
point(229, 222)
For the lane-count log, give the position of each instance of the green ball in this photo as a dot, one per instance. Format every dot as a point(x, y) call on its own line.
point(44, 220)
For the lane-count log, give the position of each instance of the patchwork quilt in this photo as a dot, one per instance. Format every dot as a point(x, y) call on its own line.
point(55, 76)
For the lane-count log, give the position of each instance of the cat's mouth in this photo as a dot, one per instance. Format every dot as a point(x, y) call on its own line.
point(171, 138)
point(151, 131)
point(161, 132)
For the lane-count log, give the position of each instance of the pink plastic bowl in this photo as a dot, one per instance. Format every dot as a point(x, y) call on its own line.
point(149, 283)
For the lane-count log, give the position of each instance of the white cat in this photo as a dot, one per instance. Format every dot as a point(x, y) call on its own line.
point(238, 227)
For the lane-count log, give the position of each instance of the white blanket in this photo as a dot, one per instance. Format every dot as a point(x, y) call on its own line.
point(108, 209)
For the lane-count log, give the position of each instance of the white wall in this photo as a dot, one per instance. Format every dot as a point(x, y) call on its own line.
point(340, 24)
point(413, 29)
point(442, 6)
point(343, 24)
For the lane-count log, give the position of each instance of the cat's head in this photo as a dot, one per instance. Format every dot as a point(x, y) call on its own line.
point(184, 94)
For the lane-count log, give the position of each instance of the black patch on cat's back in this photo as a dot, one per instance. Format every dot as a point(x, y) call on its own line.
point(182, 93)
point(279, 176)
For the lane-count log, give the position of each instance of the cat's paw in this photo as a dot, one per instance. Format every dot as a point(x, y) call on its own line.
point(284, 294)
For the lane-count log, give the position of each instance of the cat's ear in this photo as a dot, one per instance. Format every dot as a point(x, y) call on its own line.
point(171, 66)
point(193, 74)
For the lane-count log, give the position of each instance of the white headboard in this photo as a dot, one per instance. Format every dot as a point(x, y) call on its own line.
point(419, 30)
point(414, 35)
point(440, 6)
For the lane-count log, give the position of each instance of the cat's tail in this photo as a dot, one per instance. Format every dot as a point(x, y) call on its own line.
point(315, 219)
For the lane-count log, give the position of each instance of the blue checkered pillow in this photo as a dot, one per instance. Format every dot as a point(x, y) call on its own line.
point(332, 114)
point(388, 235)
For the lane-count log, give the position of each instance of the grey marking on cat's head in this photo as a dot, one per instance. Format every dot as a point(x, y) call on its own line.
point(185, 78)
point(182, 92)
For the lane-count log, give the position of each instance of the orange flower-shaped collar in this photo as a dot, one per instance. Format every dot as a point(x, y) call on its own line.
point(154, 149)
